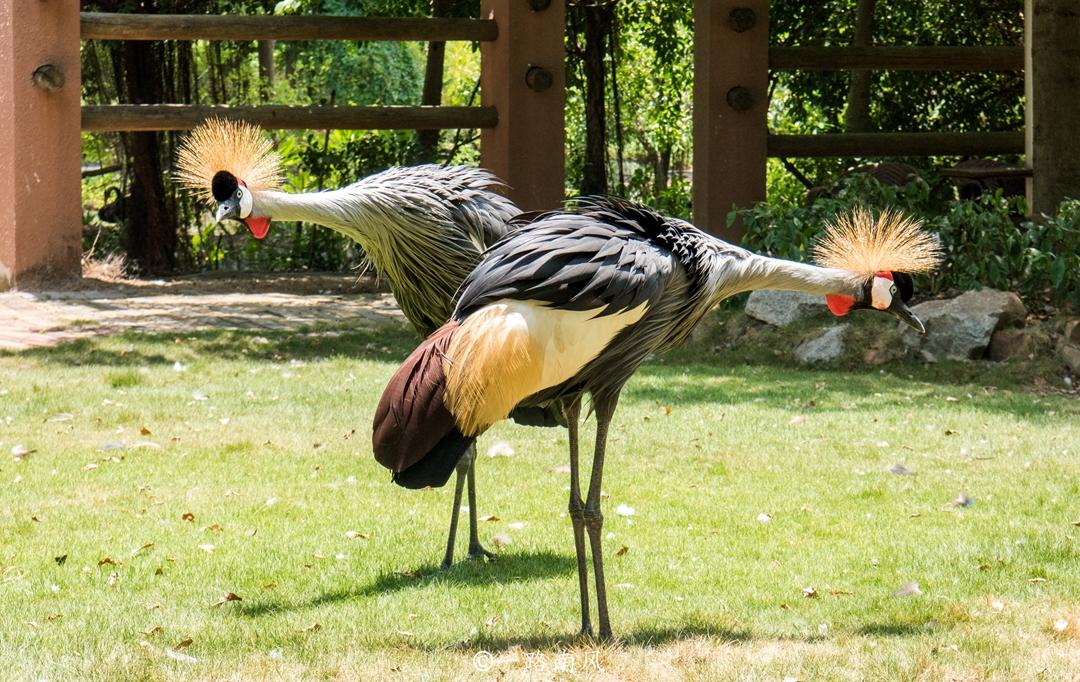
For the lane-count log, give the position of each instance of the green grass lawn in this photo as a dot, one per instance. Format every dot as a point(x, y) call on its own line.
point(154, 489)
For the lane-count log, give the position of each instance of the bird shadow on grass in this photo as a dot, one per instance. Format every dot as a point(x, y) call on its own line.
point(648, 636)
point(507, 568)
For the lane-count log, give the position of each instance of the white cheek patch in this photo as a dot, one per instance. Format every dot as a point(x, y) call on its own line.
point(245, 202)
point(881, 293)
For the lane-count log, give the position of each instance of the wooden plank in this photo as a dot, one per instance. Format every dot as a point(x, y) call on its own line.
point(185, 116)
point(110, 26)
point(897, 144)
point(1052, 107)
point(731, 102)
point(526, 149)
point(979, 173)
point(1007, 58)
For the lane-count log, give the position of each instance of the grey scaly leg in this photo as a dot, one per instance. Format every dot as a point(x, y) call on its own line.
point(462, 469)
point(476, 550)
point(572, 410)
point(594, 520)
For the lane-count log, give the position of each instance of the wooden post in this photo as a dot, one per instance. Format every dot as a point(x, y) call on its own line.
point(1052, 108)
point(523, 78)
point(40, 147)
point(731, 75)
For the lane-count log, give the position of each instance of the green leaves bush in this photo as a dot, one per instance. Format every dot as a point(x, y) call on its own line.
point(987, 242)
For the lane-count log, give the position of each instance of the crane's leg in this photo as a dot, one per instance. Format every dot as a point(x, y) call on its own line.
point(462, 469)
point(572, 410)
point(594, 520)
point(476, 550)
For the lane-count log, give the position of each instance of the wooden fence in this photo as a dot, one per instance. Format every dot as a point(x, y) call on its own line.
point(520, 116)
point(732, 141)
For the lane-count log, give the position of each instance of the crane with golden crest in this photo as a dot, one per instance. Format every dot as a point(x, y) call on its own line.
point(422, 227)
point(572, 302)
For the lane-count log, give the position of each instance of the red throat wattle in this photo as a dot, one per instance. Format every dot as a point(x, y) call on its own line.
point(259, 225)
point(839, 304)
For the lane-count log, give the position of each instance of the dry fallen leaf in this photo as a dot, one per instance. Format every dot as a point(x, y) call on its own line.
point(152, 606)
point(152, 631)
point(60, 560)
point(208, 548)
point(18, 452)
point(187, 516)
point(838, 593)
point(55, 616)
point(89, 466)
point(500, 540)
point(106, 561)
point(183, 644)
point(139, 550)
point(227, 597)
point(951, 399)
point(354, 534)
point(114, 578)
point(489, 517)
point(179, 656)
point(314, 627)
point(490, 622)
point(809, 592)
point(213, 527)
point(500, 448)
point(622, 550)
point(144, 431)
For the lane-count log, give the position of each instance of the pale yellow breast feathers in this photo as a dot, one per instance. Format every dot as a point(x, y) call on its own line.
point(510, 350)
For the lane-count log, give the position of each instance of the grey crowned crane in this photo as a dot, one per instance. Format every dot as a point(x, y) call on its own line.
point(572, 302)
point(422, 227)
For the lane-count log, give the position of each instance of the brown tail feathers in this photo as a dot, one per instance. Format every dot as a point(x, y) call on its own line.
point(414, 435)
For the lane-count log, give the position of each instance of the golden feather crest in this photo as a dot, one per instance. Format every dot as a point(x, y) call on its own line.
point(863, 243)
point(219, 144)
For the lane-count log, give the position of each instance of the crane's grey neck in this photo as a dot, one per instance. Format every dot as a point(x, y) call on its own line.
point(334, 208)
point(747, 271)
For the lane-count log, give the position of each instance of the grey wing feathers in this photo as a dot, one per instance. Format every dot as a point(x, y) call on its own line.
point(569, 261)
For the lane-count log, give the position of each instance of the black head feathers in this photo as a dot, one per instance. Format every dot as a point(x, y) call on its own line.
point(223, 185)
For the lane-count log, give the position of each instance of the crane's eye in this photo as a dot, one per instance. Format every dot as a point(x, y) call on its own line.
point(892, 290)
point(239, 193)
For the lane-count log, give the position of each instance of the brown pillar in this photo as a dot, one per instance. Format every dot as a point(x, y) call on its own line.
point(731, 78)
point(40, 148)
point(1052, 107)
point(523, 78)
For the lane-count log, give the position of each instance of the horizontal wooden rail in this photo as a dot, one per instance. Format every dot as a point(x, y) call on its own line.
point(109, 26)
point(116, 117)
point(897, 58)
point(979, 173)
point(896, 144)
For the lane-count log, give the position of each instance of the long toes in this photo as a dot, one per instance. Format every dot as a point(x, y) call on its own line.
point(478, 552)
point(445, 565)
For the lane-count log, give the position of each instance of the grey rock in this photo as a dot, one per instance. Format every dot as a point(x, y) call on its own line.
point(825, 348)
point(782, 308)
point(1010, 343)
point(1072, 331)
point(1070, 354)
point(961, 328)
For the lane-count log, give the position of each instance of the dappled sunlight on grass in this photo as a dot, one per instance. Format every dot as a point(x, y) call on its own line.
point(779, 514)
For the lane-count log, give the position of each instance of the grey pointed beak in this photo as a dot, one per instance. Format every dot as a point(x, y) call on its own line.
point(904, 314)
point(230, 208)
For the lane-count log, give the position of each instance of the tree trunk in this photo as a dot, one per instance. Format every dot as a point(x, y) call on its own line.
point(266, 69)
point(857, 119)
point(598, 24)
point(428, 140)
point(150, 221)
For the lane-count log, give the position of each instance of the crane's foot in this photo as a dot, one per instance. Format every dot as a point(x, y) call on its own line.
point(477, 551)
point(586, 631)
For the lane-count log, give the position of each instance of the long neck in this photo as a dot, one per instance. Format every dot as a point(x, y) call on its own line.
point(751, 272)
point(322, 208)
